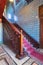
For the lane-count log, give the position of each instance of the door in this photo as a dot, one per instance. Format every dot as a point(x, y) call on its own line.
point(41, 25)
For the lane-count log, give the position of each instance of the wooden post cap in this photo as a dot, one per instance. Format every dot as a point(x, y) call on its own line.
point(0, 20)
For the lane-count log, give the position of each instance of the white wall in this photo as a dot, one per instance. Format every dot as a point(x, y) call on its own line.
point(29, 19)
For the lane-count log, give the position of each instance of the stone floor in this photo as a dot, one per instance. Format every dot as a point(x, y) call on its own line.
point(8, 59)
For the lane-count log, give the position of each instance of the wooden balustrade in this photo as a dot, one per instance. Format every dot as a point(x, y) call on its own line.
point(21, 40)
point(19, 37)
point(2, 5)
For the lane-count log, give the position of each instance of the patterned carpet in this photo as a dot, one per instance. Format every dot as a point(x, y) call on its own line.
point(6, 59)
point(32, 51)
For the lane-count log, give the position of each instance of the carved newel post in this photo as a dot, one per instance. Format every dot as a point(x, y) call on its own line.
point(21, 51)
point(21, 43)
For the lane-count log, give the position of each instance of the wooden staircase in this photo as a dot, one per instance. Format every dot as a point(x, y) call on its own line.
point(18, 38)
point(19, 43)
point(15, 35)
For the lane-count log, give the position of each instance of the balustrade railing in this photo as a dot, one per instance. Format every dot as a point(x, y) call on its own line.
point(16, 37)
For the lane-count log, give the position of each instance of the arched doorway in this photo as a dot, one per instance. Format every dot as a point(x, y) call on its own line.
point(41, 25)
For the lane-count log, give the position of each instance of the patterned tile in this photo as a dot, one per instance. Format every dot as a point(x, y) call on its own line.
point(34, 63)
point(5, 59)
point(3, 62)
point(12, 55)
point(1, 50)
point(29, 62)
point(8, 59)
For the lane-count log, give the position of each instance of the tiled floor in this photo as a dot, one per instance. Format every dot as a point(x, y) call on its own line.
point(8, 59)
point(5, 59)
point(3, 62)
point(18, 62)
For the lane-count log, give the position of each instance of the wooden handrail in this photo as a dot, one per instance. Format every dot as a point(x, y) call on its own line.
point(11, 25)
point(14, 28)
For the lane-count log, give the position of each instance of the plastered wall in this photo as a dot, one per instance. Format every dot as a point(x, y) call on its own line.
point(29, 19)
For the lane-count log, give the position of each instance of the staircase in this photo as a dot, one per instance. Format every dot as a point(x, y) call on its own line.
point(26, 45)
point(15, 37)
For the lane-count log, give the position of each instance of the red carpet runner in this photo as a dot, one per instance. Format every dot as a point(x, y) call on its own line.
point(32, 51)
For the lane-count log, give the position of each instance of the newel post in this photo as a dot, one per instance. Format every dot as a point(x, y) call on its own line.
point(21, 54)
point(21, 43)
